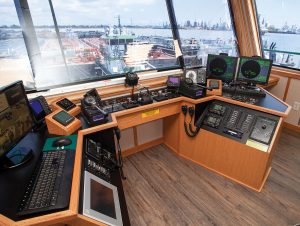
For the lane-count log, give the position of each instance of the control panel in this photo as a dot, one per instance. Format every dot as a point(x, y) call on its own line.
point(126, 102)
point(263, 130)
point(244, 125)
point(99, 161)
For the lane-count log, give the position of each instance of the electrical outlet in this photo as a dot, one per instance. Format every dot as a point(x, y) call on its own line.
point(296, 106)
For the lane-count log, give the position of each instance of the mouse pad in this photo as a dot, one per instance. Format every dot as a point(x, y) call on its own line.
point(49, 141)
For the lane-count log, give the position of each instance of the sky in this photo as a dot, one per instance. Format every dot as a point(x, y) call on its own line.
point(285, 11)
point(144, 12)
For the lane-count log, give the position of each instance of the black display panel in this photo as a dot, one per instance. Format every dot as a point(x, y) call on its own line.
point(221, 67)
point(102, 199)
point(254, 70)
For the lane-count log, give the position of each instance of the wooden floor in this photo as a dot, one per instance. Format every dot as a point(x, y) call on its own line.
point(163, 189)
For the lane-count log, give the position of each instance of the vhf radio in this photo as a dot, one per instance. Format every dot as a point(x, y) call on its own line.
point(90, 106)
point(189, 89)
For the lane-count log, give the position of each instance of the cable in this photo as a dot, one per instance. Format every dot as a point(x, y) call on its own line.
point(120, 159)
point(188, 129)
point(191, 113)
point(190, 133)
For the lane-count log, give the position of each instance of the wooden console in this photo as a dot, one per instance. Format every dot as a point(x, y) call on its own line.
point(243, 164)
point(56, 128)
point(217, 92)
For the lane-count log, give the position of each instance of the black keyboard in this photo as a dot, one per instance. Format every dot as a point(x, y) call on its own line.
point(50, 184)
point(237, 90)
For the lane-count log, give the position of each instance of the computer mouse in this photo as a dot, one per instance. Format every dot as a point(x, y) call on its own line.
point(61, 142)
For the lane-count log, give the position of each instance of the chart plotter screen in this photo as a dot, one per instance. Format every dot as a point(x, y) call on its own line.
point(254, 70)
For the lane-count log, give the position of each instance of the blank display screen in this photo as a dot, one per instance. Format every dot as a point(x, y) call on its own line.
point(102, 199)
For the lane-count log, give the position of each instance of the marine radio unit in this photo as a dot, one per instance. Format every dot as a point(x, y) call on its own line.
point(189, 89)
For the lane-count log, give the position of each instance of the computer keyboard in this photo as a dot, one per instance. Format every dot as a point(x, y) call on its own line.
point(50, 183)
point(252, 92)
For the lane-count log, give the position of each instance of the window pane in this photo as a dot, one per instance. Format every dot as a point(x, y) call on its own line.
point(14, 62)
point(280, 31)
point(106, 38)
point(204, 27)
point(52, 70)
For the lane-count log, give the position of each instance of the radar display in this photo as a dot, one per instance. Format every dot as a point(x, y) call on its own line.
point(221, 67)
point(254, 70)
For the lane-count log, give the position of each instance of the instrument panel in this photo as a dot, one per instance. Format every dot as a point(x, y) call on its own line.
point(247, 126)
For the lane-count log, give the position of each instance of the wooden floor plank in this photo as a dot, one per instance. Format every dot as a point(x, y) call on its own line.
point(164, 189)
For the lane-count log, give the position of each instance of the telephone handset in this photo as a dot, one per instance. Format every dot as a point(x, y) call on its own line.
point(40, 108)
point(188, 127)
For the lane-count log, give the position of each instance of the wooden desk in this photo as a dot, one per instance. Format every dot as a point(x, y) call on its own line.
point(273, 81)
point(243, 164)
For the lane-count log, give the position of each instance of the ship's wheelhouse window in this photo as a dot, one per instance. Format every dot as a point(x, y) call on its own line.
point(49, 62)
point(70, 42)
point(279, 25)
point(108, 38)
point(14, 62)
point(205, 27)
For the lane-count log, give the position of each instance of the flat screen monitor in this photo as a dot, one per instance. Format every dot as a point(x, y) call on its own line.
point(254, 70)
point(173, 81)
point(37, 110)
point(221, 67)
point(101, 200)
point(15, 116)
